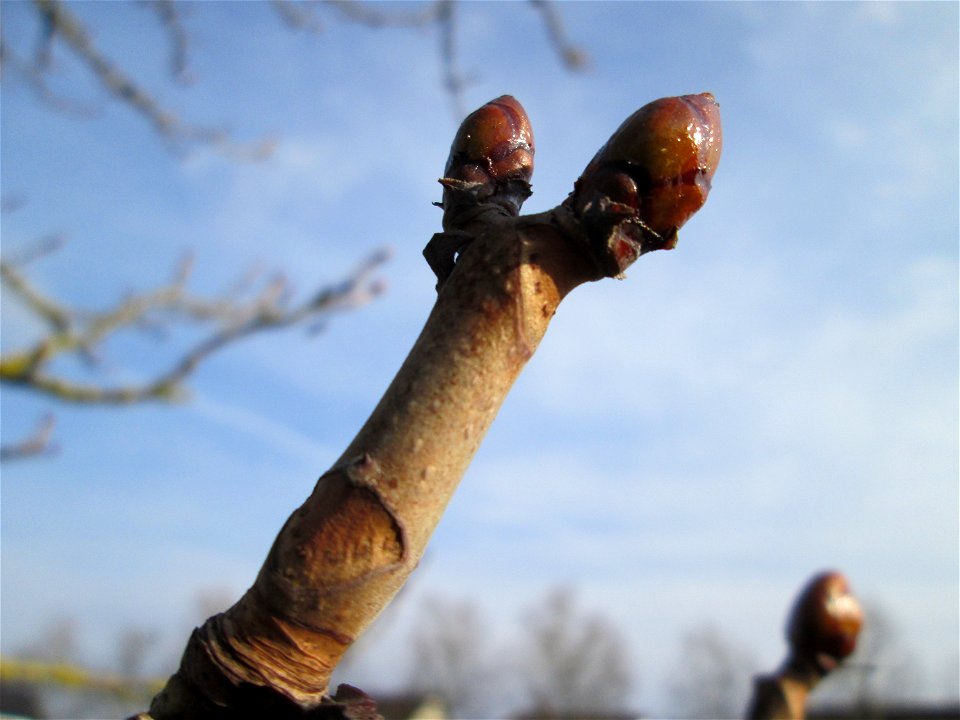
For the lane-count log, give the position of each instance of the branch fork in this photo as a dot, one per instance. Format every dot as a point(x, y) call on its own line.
point(344, 554)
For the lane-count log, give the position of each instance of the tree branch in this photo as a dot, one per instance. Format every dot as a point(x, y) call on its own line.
point(37, 443)
point(441, 13)
point(59, 22)
point(362, 13)
point(453, 80)
point(297, 16)
point(76, 332)
point(573, 57)
point(71, 676)
point(343, 555)
point(55, 316)
point(169, 14)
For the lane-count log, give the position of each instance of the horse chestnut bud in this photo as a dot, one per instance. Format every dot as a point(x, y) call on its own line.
point(492, 155)
point(825, 621)
point(650, 177)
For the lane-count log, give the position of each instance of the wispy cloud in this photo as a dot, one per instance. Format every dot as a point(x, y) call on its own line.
point(261, 429)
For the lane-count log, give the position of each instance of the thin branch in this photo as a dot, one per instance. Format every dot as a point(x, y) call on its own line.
point(169, 13)
point(65, 24)
point(48, 30)
point(362, 13)
point(453, 80)
point(52, 313)
point(11, 202)
point(42, 247)
point(74, 677)
point(35, 76)
point(36, 444)
point(296, 16)
point(573, 57)
point(68, 27)
point(79, 333)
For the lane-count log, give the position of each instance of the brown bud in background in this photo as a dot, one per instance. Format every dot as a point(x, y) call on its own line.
point(491, 157)
point(825, 621)
point(649, 179)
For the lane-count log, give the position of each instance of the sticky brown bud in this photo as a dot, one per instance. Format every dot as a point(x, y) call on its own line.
point(492, 155)
point(651, 176)
point(825, 621)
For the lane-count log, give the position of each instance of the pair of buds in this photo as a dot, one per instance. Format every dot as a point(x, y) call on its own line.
point(651, 176)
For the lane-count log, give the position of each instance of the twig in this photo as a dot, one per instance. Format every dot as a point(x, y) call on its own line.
point(35, 76)
point(37, 443)
point(360, 12)
point(11, 202)
point(78, 332)
point(573, 57)
point(43, 246)
point(52, 313)
point(296, 16)
point(169, 14)
point(453, 80)
point(65, 25)
point(13, 670)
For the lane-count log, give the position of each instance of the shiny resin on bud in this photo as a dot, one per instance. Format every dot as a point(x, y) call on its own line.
point(655, 172)
point(825, 621)
point(496, 140)
point(490, 164)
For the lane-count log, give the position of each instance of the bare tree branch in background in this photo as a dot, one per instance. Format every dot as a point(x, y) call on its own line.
point(69, 332)
point(35, 444)
point(573, 57)
point(59, 23)
point(449, 654)
point(579, 662)
point(880, 672)
point(444, 13)
point(168, 11)
point(297, 15)
point(134, 645)
point(453, 80)
point(35, 74)
point(713, 677)
point(363, 13)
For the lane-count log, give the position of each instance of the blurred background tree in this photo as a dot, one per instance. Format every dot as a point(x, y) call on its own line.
point(712, 678)
point(578, 662)
point(64, 60)
point(255, 304)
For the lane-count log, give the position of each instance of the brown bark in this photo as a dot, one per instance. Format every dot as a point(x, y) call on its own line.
point(347, 550)
point(783, 695)
point(343, 555)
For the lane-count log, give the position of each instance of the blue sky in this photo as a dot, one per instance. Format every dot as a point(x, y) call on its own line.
point(777, 395)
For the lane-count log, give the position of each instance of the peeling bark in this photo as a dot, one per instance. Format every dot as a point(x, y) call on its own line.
point(343, 555)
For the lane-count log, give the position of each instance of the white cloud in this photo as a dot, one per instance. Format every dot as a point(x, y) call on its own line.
point(262, 429)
